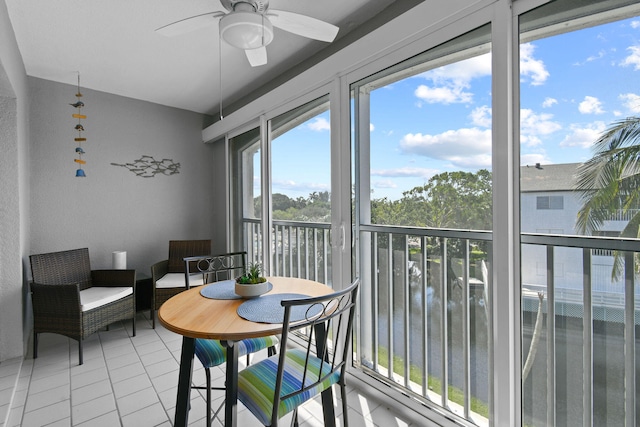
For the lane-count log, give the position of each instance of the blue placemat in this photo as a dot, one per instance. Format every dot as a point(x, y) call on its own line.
point(267, 309)
point(224, 289)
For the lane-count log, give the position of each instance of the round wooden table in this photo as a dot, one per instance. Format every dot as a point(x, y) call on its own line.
point(194, 316)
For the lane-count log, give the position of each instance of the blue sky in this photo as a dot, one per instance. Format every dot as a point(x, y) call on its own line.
point(572, 87)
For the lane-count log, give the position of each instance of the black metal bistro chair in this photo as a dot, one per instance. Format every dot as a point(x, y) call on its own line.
point(208, 270)
point(307, 366)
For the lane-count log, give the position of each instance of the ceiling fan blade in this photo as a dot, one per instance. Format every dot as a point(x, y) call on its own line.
point(189, 24)
point(257, 56)
point(303, 25)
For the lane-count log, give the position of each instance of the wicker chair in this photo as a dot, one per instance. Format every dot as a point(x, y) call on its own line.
point(71, 299)
point(168, 276)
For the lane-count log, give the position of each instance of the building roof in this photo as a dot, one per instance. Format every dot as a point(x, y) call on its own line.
point(558, 177)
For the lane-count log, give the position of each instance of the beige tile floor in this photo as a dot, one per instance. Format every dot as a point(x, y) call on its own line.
point(130, 381)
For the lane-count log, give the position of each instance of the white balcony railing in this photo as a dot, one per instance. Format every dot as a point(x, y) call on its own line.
point(623, 215)
point(300, 249)
point(425, 329)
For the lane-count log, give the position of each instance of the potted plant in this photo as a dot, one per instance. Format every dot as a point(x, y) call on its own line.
point(251, 283)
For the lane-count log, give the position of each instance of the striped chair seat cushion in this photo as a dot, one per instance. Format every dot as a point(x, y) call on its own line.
point(257, 383)
point(213, 353)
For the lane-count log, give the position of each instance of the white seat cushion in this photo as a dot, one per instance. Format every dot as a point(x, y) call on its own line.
point(176, 280)
point(91, 298)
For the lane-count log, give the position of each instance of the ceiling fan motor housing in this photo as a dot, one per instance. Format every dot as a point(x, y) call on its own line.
point(258, 5)
point(246, 30)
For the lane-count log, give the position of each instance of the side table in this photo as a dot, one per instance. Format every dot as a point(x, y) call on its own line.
point(143, 291)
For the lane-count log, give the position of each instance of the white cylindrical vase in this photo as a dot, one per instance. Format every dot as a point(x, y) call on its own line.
point(119, 259)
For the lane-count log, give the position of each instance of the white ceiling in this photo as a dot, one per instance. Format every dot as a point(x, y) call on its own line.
point(115, 48)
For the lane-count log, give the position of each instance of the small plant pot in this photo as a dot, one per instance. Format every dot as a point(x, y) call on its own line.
point(252, 290)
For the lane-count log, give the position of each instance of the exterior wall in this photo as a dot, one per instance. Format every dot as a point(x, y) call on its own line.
point(14, 136)
point(568, 262)
point(560, 221)
point(568, 268)
point(112, 209)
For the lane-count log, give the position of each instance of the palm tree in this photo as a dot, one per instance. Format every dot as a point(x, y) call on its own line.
point(609, 182)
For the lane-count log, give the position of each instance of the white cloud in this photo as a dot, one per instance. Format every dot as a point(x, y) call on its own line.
point(601, 54)
point(405, 172)
point(590, 105)
point(530, 140)
point(633, 58)
point(320, 124)
point(481, 116)
point(471, 147)
point(465, 148)
point(531, 67)
point(631, 101)
point(385, 184)
point(300, 186)
point(477, 161)
point(548, 102)
point(450, 82)
point(461, 72)
point(533, 158)
point(533, 125)
point(443, 95)
point(583, 137)
point(371, 127)
point(635, 24)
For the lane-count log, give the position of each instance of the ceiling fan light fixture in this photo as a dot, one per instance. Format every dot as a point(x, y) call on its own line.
point(246, 30)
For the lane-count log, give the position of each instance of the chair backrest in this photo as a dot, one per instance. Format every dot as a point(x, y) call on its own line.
point(180, 249)
point(214, 268)
point(327, 322)
point(65, 267)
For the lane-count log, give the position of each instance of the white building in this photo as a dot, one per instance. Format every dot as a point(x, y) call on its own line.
point(550, 205)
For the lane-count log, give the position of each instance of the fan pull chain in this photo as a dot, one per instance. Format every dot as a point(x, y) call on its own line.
point(220, 69)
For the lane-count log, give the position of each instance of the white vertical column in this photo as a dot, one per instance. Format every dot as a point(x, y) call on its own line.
point(505, 352)
point(365, 257)
point(265, 159)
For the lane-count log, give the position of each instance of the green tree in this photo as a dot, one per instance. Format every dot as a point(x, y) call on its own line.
point(608, 182)
point(321, 197)
point(281, 202)
point(315, 208)
point(448, 200)
point(385, 211)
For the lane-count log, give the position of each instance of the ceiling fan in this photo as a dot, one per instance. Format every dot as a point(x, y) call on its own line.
point(248, 25)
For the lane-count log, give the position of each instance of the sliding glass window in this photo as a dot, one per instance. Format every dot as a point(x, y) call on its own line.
point(246, 194)
point(579, 111)
point(423, 197)
point(300, 144)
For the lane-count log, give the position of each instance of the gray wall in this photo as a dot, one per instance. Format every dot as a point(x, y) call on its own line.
point(14, 208)
point(113, 209)
point(44, 207)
